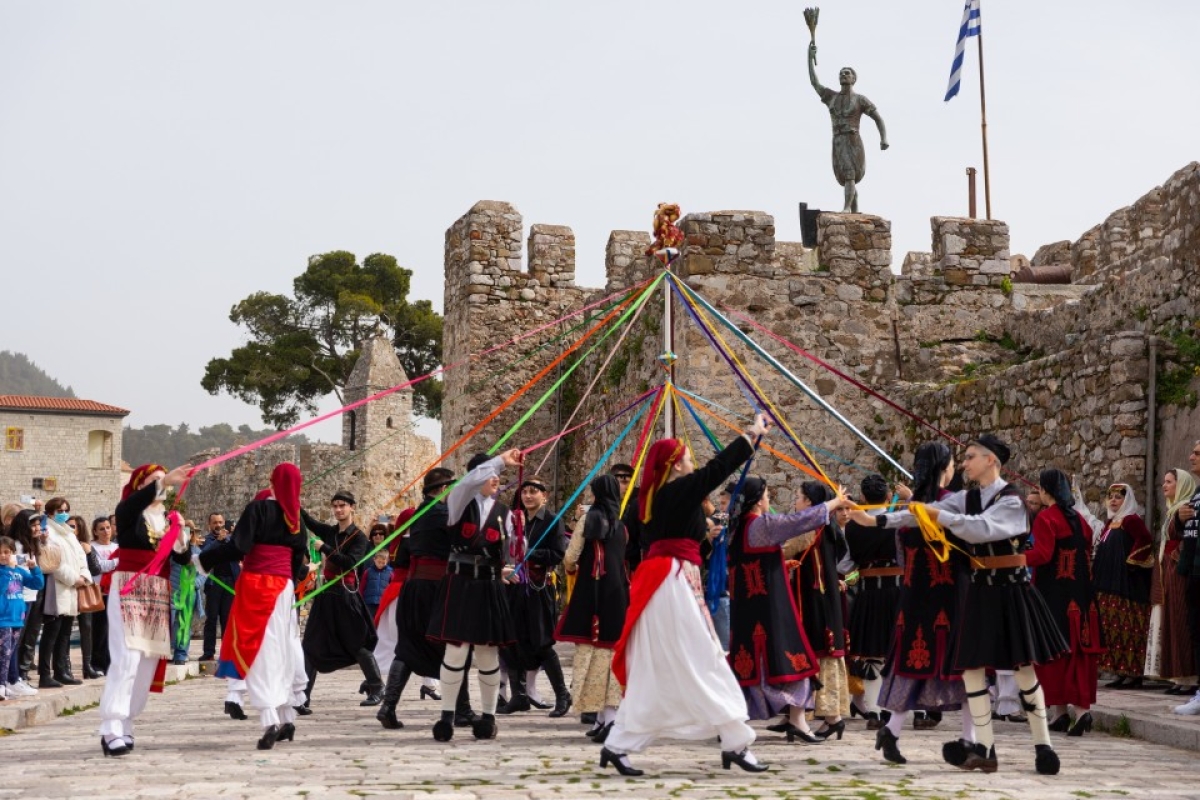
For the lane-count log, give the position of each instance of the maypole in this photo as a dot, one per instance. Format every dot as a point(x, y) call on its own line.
point(665, 249)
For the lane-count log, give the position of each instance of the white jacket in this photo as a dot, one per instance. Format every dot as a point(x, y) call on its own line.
point(72, 567)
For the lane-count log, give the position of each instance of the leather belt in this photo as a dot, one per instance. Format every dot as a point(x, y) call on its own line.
point(473, 566)
point(881, 572)
point(1016, 561)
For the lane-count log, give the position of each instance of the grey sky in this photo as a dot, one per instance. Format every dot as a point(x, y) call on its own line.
point(160, 161)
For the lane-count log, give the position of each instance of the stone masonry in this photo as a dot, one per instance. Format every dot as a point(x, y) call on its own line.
point(1062, 371)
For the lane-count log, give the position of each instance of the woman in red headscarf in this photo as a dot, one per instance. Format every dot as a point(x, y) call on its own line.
point(677, 681)
point(259, 642)
point(139, 618)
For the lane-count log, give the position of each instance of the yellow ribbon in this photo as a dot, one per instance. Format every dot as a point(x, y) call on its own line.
point(935, 535)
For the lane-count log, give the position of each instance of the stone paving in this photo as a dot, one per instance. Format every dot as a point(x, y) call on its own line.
point(186, 748)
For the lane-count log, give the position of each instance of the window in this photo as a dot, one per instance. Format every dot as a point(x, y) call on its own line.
point(50, 484)
point(14, 439)
point(100, 450)
point(353, 429)
point(389, 423)
point(39, 484)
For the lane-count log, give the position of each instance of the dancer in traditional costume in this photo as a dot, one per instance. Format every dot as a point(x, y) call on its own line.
point(677, 681)
point(471, 608)
point(768, 649)
point(1060, 559)
point(422, 557)
point(139, 621)
point(1122, 567)
point(258, 646)
point(533, 599)
point(873, 615)
point(595, 615)
point(1005, 623)
point(919, 675)
point(340, 630)
point(817, 585)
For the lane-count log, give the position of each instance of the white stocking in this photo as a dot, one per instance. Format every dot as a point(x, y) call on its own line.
point(487, 661)
point(454, 664)
point(1035, 704)
point(979, 706)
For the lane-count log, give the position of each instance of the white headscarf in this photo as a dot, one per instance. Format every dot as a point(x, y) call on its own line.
point(1185, 487)
point(1129, 506)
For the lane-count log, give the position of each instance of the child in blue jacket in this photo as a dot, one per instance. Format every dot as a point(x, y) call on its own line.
point(13, 577)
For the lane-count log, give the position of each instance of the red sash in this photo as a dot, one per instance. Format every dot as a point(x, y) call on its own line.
point(650, 574)
point(252, 608)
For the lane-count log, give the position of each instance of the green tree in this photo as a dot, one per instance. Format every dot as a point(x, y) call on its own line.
point(302, 348)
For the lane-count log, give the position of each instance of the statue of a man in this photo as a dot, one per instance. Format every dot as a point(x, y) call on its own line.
point(846, 110)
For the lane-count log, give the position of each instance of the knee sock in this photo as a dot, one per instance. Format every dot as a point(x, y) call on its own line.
point(487, 661)
point(1035, 704)
point(871, 688)
point(895, 723)
point(454, 665)
point(979, 706)
point(968, 726)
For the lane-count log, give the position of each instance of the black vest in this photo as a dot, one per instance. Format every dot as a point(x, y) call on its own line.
point(765, 633)
point(1004, 547)
point(489, 540)
point(427, 538)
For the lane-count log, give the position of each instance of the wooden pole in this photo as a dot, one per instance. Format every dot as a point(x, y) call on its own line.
point(987, 174)
point(668, 349)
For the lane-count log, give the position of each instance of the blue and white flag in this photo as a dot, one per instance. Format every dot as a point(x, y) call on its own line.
point(970, 27)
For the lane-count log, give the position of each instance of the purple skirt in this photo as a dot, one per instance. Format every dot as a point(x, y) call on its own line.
point(912, 694)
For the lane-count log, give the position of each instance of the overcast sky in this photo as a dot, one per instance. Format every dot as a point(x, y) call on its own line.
point(161, 161)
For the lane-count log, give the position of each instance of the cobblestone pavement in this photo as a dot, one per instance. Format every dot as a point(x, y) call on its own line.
point(186, 748)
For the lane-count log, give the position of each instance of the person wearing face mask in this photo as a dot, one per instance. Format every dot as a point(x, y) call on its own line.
point(139, 621)
point(471, 609)
point(54, 650)
point(105, 549)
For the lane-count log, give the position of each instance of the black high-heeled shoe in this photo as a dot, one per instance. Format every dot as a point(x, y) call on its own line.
point(432, 694)
point(303, 711)
point(540, 706)
point(270, 735)
point(621, 762)
point(886, 741)
point(728, 758)
point(602, 735)
point(114, 751)
point(1062, 724)
point(1083, 724)
point(287, 732)
point(807, 737)
point(827, 730)
point(1119, 683)
point(234, 710)
point(780, 727)
point(855, 711)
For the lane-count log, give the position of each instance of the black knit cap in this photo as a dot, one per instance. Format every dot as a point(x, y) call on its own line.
point(477, 459)
point(993, 443)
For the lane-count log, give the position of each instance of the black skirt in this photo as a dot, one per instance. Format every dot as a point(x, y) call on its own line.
point(1006, 626)
point(469, 610)
point(532, 610)
point(414, 607)
point(339, 626)
point(873, 619)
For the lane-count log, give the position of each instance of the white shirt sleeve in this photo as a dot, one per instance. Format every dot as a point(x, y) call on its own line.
point(1005, 519)
point(955, 504)
point(466, 489)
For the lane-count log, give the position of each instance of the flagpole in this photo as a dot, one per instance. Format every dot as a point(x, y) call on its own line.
point(987, 174)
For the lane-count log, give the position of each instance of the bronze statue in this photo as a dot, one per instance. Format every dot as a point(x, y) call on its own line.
point(846, 110)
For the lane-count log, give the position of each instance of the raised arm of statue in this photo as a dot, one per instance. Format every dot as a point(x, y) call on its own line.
point(812, 69)
point(874, 114)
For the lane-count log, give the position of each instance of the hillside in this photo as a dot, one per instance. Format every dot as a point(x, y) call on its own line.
point(19, 375)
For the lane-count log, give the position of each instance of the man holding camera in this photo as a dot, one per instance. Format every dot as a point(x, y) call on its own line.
point(217, 599)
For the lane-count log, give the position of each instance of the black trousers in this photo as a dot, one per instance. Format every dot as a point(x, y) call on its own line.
point(1193, 611)
point(101, 660)
point(217, 603)
point(29, 636)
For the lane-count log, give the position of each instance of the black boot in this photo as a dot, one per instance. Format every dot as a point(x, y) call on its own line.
point(312, 681)
point(366, 662)
point(29, 635)
point(519, 699)
point(398, 676)
point(50, 626)
point(62, 654)
point(562, 695)
point(86, 631)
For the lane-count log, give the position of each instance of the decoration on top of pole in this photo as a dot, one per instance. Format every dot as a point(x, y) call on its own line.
point(846, 110)
point(667, 236)
point(810, 18)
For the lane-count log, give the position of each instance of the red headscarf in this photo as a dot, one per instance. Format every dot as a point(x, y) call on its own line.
point(140, 474)
point(285, 483)
point(659, 461)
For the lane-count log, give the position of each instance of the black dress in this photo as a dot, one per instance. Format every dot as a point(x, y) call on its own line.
point(819, 595)
point(422, 553)
point(1005, 621)
point(533, 600)
point(471, 606)
point(339, 623)
point(596, 613)
point(873, 615)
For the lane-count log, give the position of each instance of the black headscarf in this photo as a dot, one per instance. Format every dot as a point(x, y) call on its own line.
point(752, 491)
point(602, 517)
point(1055, 483)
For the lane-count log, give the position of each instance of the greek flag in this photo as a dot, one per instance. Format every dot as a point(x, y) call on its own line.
point(970, 27)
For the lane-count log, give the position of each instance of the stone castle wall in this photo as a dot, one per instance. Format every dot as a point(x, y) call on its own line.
point(952, 337)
